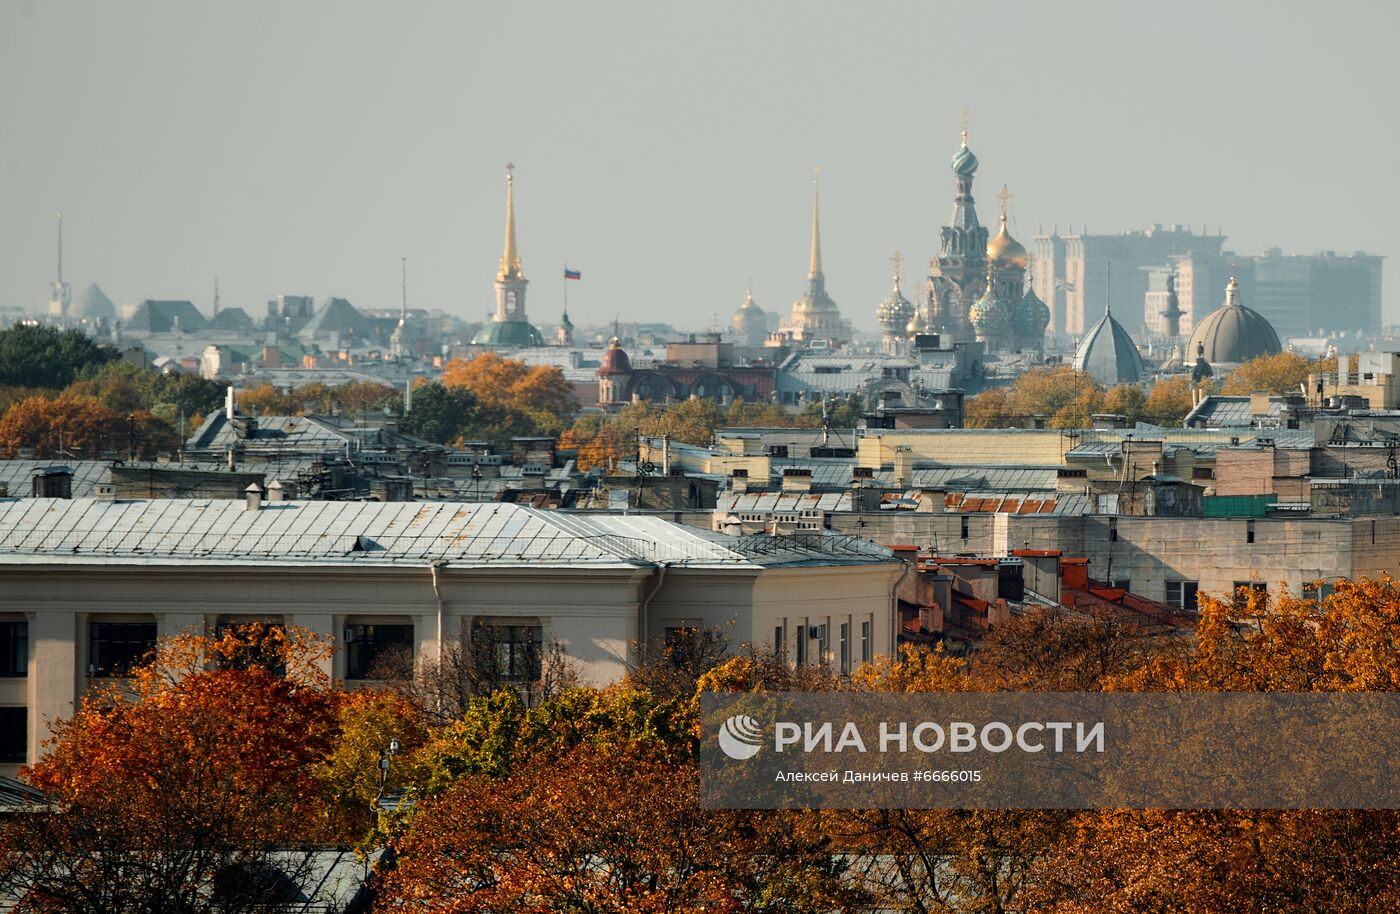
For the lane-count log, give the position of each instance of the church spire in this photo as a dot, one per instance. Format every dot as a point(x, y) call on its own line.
point(814, 271)
point(510, 260)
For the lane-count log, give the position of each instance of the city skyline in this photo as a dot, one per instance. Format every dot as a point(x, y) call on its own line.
point(656, 149)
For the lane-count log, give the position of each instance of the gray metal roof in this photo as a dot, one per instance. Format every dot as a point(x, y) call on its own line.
point(765, 502)
point(178, 532)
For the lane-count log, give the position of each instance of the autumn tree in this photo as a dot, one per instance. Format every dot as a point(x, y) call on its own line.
point(266, 400)
point(1273, 374)
point(540, 392)
point(61, 426)
point(1168, 402)
point(181, 788)
point(33, 355)
point(1285, 861)
point(350, 779)
point(602, 830)
point(1058, 395)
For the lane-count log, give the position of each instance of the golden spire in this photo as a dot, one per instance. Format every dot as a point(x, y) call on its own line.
point(510, 260)
point(1004, 195)
point(814, 270)
point(897, 259)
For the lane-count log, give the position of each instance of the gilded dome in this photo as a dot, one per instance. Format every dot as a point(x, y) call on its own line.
point(1233, 333)
point(1004, 250)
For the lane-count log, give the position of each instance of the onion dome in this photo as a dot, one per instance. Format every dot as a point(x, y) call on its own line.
point(964, 162)
point(1108, 354)
point(615, 360)
point(1005, 251)
point(1234, 333)
point(750, 323)
point(992, 316)
point(1032, 316)
point(896, 311)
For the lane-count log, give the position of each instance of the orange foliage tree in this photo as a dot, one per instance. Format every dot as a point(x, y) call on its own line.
point(174, 789)
point(58, 426)
point(540, 392)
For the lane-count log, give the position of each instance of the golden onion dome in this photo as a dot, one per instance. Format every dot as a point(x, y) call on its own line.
point(1004, 250)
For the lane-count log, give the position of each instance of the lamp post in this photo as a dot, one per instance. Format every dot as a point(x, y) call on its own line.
point(386, 755)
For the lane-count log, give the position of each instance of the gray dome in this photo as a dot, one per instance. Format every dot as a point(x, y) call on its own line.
point(1108, 355)
point(991, 316)
point(1032, 315)
point(1234, 333)
point(749, 322)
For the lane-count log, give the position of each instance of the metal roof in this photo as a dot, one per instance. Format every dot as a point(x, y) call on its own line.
point(785, 501)
point(177, 532)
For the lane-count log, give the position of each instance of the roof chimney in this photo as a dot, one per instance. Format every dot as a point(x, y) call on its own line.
point(254, 496)
point(797, 480)
point(274, 490)
point(739, 480)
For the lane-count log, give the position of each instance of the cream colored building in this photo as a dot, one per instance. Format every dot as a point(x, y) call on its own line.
point(86, 584)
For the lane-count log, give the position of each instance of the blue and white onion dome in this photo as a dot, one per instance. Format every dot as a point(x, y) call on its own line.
point(964, 162)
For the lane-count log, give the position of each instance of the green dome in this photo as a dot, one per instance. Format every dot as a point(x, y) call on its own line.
point(1032, 315)
point(515, 334)
point(991, 316)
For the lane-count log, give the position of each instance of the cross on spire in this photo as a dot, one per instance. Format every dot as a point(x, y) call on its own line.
point(966, 118)
point(1005, 196)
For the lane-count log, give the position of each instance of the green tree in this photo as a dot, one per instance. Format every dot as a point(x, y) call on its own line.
point(443, 414)
point(42, 356)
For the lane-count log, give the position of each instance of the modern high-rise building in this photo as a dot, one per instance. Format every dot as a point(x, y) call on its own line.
point(1077, 275)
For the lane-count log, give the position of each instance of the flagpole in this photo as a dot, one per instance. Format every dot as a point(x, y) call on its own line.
point(566, 287)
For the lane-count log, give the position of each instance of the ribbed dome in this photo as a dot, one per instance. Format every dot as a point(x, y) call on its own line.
point(964, 162)
point(513, 334)
point(1032, 315)
point(1234, 333)
point(749, 321)
point(1108, 355)
point(1004, 250)
point(991, 316)
point(895, 311)
point(615, 360)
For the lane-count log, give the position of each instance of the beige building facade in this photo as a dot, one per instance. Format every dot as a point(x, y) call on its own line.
point(87, 585)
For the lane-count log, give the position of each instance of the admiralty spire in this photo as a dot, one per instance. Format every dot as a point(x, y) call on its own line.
point(510, 327)
point(815, 316)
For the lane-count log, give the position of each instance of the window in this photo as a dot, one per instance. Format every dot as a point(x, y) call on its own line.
point(368, 646)
point(845, 647)
point(116, 647)
point(518, 650)
point(14, 648)
point(1113, 529)
point(1121, 584)
point(779, 644)
point(257, 652)
point(14, 735)
point(964, 528)
point(1249, 531)
point(1242, 587)
point(801, 645)
point(866, 648)
point(1182, 594)
point(1318, 590)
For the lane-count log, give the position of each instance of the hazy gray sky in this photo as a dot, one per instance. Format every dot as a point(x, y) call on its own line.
point(664, 149)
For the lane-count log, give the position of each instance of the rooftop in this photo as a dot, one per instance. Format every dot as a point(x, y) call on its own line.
point(196, 531)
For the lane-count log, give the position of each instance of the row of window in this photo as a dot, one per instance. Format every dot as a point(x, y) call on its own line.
point(115, 648)
point(813, 642)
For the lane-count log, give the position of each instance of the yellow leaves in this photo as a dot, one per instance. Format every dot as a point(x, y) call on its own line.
point(917, 669)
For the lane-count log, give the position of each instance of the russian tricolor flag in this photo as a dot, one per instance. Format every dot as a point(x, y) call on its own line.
point(572, 274)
